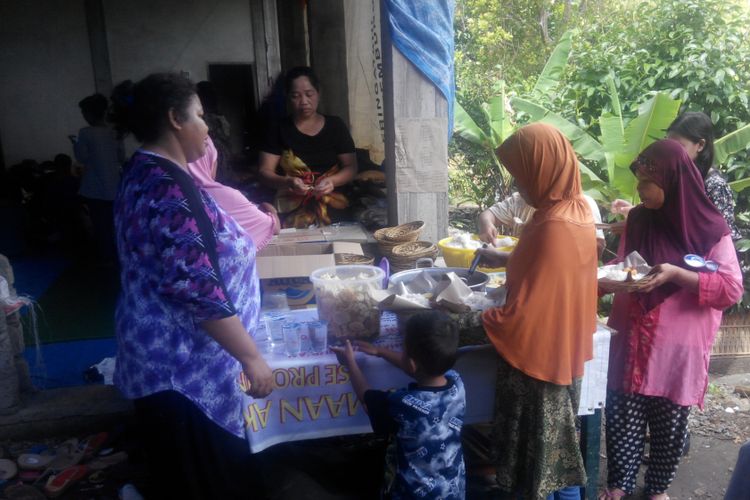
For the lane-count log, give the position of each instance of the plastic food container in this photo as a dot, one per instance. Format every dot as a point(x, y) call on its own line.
point(343, 297)
point(462, 257)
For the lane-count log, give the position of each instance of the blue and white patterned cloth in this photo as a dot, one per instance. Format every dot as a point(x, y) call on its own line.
point(427, 424)
point(422, 30)
point(171, 283)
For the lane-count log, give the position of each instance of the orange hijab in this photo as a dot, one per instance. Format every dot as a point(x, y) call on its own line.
point(546, 326)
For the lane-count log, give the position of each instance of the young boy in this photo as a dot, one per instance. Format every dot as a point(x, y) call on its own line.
point(425, 417)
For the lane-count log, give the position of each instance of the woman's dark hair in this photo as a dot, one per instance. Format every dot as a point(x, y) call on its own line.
point(143, 108)
point(695, 126)
point(95, 106)
point(297, 72)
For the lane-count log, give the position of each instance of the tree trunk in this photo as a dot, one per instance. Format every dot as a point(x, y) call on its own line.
point(567, 12)
point(543, 19)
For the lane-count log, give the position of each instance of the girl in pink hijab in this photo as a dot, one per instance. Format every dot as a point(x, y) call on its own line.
point(261, 223)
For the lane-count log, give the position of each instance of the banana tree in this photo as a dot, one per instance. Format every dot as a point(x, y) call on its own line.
point(619, 143)
point(498, 113)
point(732, 143)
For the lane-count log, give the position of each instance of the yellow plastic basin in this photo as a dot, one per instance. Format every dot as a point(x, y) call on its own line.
point(462, 257)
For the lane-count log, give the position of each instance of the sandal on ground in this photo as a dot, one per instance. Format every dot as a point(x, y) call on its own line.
point(108, 461)
point(35, 461)
point(93, 444)
point(57, 484)
point(8, 469)
point(611, 494)
point(67, 455)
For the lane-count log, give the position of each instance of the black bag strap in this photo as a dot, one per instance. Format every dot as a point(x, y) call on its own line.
point(205, 227)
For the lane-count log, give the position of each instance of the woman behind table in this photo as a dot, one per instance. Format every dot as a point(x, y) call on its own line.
point(658, 364)
point(307, 156)
point(261, 223)
point(189, 298)
point(695, 132)
point(544, 331)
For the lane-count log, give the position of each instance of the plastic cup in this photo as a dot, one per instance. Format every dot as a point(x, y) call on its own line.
point(318, 336)
point(292, 333)
point(274, 322)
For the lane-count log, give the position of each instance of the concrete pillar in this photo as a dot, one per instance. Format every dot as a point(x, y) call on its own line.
point(416, 144)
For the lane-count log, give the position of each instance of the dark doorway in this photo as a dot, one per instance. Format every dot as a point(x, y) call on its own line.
point(235, 91)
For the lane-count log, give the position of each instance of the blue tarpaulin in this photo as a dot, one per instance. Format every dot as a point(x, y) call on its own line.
point(422, 30)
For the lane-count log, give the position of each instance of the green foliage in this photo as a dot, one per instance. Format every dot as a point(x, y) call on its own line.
point(695, 50)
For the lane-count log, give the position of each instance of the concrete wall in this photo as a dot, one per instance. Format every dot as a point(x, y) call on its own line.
point(176, 35)
point(46, 70)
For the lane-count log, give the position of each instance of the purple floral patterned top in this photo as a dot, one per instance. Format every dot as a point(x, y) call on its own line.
point(174, 276)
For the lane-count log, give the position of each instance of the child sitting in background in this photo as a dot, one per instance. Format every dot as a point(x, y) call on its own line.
point(425, 417)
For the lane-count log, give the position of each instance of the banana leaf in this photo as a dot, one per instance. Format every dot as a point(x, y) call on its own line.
point(732, 143)
point(549, 78)
point(500, 125)
point(466, 127)
point(584, 145)
point(740, 185)
point(654, 116)
point(612, 139)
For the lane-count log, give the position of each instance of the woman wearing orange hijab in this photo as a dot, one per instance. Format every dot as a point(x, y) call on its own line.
point(544, 331)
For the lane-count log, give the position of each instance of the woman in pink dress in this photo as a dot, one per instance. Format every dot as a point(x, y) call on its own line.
point(658, 363)
point(261, 223)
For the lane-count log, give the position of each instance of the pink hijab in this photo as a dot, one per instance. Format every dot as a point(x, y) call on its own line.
point(259, 225)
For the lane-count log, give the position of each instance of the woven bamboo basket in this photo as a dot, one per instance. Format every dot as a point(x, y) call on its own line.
point(390, 237)
point(625, 286)
point(733, 338)
point(343, 259)
point(409, 231)
point(405, 256)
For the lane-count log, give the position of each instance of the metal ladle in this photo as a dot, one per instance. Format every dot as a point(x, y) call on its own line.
point(473, 267)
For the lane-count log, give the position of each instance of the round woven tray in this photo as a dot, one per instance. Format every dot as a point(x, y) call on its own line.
point(405, 256)
point(404, 232)
point(400, 234)
point(625, 286)
point(343, 259)
point(414, 249)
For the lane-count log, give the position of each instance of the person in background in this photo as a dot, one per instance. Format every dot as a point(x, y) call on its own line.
point(189, 302)
point(541, 355)
point(100, 151)
point(695, 132)
point(513, 212)
point(426, 417)
point(261, 222)
point(307, 156)
point(658, 363)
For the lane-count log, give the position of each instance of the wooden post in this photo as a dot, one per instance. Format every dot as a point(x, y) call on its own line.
point(591, 428)
point(99, 46)
point(264, 23)
point(416, 144)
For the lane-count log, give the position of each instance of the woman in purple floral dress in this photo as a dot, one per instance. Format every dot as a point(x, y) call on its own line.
point(189, 302)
